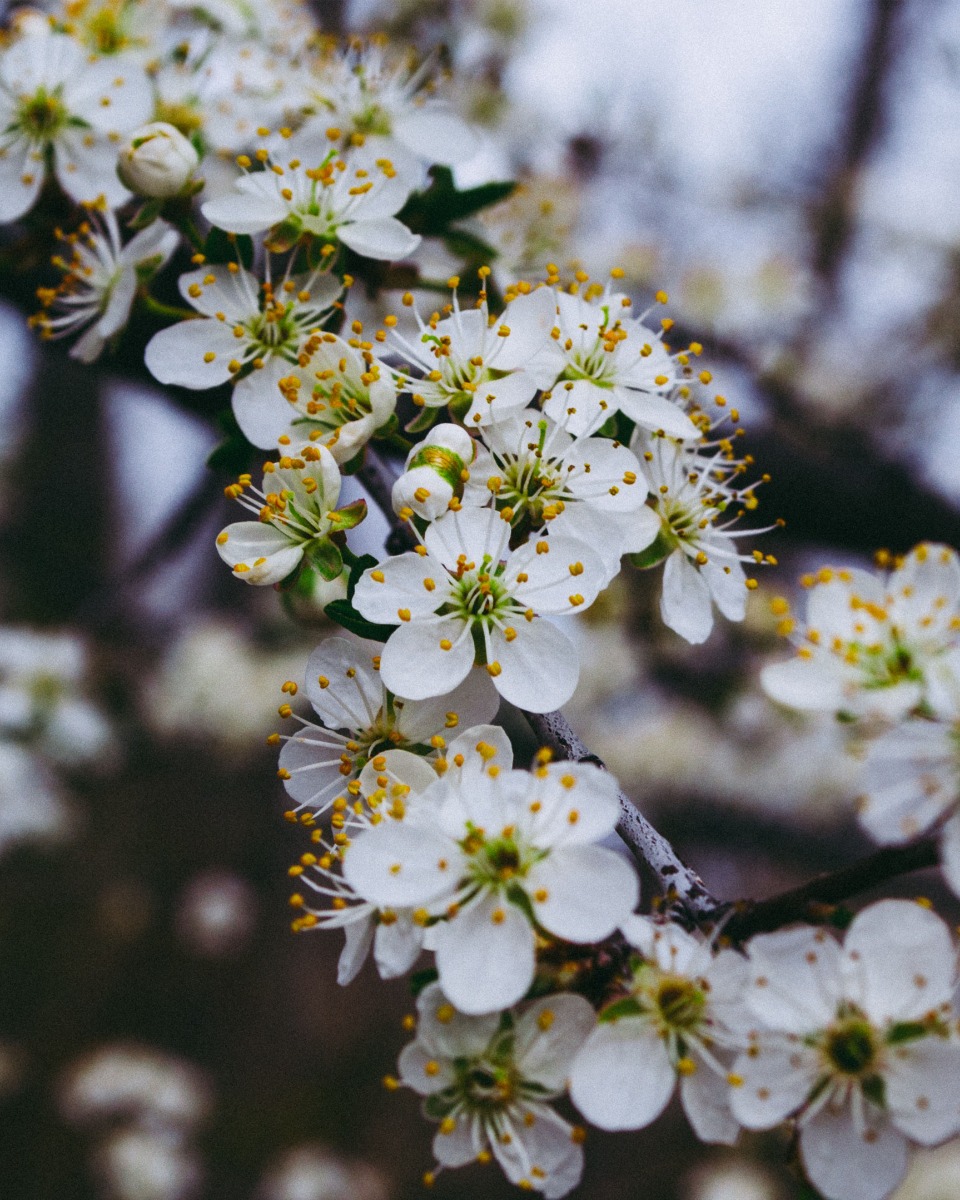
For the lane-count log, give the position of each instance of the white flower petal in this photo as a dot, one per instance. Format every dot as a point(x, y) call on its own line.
point(261, 548)
point(485, 956)
point(548, 1035)
point(359, 939)
point(399, 865)
point(900, 961)
point(773, 1080)
point(587, 891)
point(705, 1096)
point(845, 1163)
point(795, 983)
point(397, 945)
point(408, 582)
point(805, 683)
point(539, 668)
point(22, 172)
point(428, 659)
point(685, 604)
point(923, 1089)
point(383, 238)
point(179, 355)
point(623, 1077)
point(449, 1033)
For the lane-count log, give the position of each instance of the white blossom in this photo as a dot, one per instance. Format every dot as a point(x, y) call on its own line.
point(465, 598)
point(318, 194)
point(474, 363)
point(377, 90)
point(489, 850)
point(56, 102)
point(487, 1080)
point(360, 719)
point(389, 786)
point(911, 778)
point(677, 1021)
point(856, 1042)
point(871, 641)
point(157, 160)
point(249, 332)
point(541, 477)
point(435, 473)
point(693, 493)
point(601, 361)
point(100, 280)
point(336, 395)
point(296, 514)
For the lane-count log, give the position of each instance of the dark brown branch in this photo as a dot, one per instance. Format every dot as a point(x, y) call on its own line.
point(814, 901)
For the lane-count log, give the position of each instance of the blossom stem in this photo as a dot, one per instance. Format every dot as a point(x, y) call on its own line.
point(814, 902)
point(169, 312)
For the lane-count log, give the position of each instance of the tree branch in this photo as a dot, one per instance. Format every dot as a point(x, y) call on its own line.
point(681, 886)
point(814, 901)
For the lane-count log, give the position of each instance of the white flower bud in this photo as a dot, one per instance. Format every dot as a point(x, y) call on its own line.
point(436, 472)
point(157, 161)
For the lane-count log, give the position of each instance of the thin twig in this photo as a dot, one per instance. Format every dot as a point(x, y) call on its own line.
point(682, 886)
point(814, 902)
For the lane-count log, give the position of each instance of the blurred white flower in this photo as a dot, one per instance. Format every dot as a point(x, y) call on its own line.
point(139, 1084)
point(137, 1164)
point(313, 1173)
point(216, 914)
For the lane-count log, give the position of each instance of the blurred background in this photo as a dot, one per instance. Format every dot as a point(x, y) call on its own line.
point(790, 174)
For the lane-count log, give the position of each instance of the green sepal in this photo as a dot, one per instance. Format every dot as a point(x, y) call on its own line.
point(223, 247)
point(424, 419)
point(628, 1006)
point(421, 979)
point(906, 1031)
point(145, 215)
point(350, 515)
point(662, 546)
point(874, 1089)
point(326, 557)
point(148, 267)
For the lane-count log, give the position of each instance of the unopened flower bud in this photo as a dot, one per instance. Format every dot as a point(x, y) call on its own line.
point(157, 161)
point(436, 472)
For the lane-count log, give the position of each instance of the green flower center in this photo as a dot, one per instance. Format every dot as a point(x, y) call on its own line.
point(851, 1047)
point(680, 1003)
point(42, 115)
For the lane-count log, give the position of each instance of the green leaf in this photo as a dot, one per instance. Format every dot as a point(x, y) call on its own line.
point(223, 247)
point(420, 979)
point(469, 246)
point(433, 212)
point(345, 615)
point(328, 560)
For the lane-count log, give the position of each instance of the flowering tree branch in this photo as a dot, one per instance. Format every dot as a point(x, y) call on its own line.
point(681, 885)
point(814, 902)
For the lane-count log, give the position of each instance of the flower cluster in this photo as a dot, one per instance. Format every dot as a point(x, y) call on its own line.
point(265, 199)
point(882, 650)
